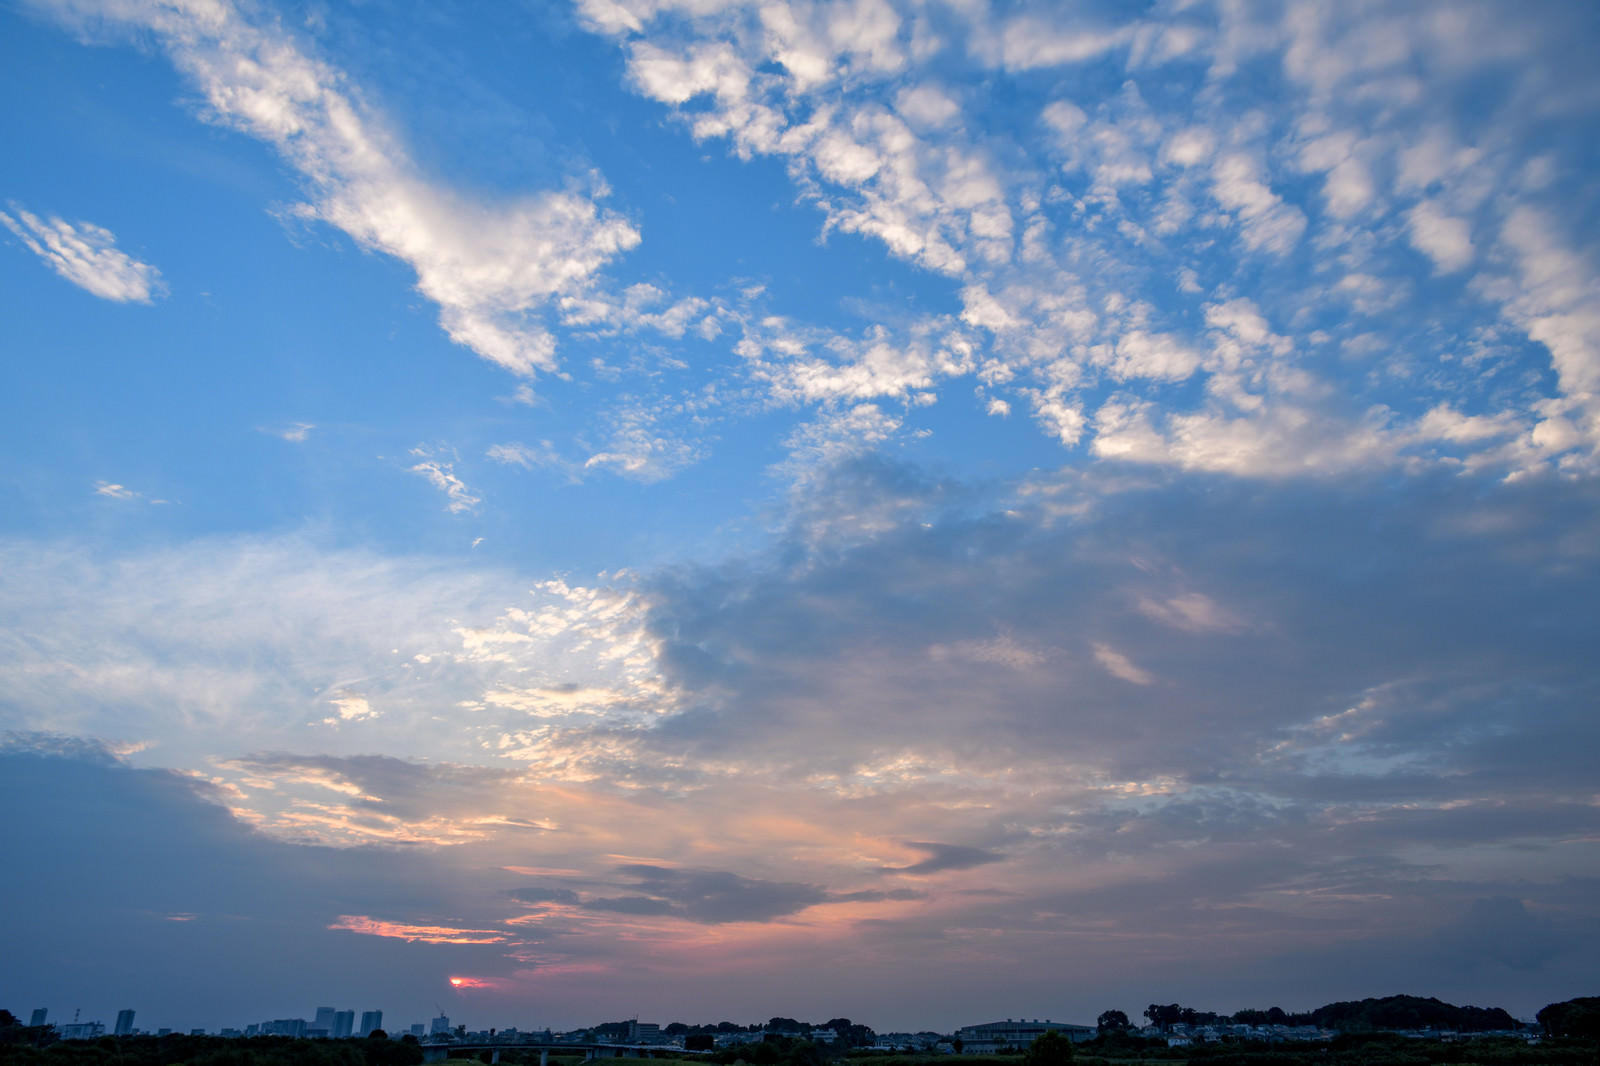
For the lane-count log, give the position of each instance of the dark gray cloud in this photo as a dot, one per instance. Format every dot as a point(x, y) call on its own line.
point(877, 896)
point(1359, 639)
point(1340, 719)
point(544, 894)
point(945, 857)
point(1500, 931)
point(709, 896)
point(128, 882)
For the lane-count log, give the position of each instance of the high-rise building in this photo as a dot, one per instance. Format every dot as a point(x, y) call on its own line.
point(323, 1021)
point(343, 1022)
point(370, 1020)
point(416, 1030)
point(124, 1023)
point(441, 1024)
point(39, 1014)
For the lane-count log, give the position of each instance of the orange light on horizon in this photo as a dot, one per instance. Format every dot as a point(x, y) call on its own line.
point(473, 982)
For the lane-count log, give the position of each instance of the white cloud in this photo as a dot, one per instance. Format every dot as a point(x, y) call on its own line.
point(879, 363)
point(115, 491)
point(294, 432)
point(1188, 147)
point(1445, 240)
point(1028, 42)
point(927, 106)
point(488, 266)
point(837, 434)
point(441, 475)
point(237, 644)
point(352, 707)
point(1158, 357)
point(1268, 223)
point(640, 445)
point(1276, 440)
point(1120, 666)
point(518, 454)
point(87, 256)
point(1193, 612)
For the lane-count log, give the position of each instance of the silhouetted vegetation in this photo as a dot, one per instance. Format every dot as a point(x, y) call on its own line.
point(1368, 1032)
point(1579, 1018)
point(1410, 1012)
point(208, 1051)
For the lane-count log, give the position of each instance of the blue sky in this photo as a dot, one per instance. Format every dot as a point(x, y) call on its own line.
point(921, 511)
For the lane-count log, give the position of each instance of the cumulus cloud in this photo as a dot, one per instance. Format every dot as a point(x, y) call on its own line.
point(86, 255)
point(1445, 240)
point(1064, 277)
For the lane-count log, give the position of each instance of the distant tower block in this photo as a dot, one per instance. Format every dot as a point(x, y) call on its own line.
point(370, 1020)
point(39, 1014)
point(343, 1022)
point(124, 1023)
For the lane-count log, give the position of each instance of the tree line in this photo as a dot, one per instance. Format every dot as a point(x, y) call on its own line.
point(1368, 1015)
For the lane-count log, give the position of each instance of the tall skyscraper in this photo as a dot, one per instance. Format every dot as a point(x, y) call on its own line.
point(441, 1024)
point(323, 1021)
point(343, 1022)
point(370, 1020)
point(124, 1023)
point(39, 1014)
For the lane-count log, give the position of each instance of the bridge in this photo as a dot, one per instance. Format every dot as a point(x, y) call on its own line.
point(440, 1052)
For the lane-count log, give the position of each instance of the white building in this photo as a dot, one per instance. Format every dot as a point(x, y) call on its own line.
point(990, 1037)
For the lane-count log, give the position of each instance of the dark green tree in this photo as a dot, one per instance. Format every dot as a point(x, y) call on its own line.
point(1113, 1021)
point(1573, 1017)
point(1049, 1048)
point(1164, 1015)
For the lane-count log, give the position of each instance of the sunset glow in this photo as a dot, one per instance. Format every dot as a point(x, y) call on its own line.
point(907, 510)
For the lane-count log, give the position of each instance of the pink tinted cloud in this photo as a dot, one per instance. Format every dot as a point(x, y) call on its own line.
point(423, 934)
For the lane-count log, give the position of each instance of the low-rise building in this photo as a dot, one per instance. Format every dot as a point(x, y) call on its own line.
point(991, 1037)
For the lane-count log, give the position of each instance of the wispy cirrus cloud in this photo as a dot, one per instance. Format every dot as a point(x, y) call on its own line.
point(492, 268)
point(440, 473)
point(86, 255)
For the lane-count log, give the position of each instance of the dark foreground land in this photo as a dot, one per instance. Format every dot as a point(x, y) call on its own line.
point(1349, 1049)
point(1357, 1034)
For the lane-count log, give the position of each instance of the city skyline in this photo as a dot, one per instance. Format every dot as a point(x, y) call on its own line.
point(898, 508)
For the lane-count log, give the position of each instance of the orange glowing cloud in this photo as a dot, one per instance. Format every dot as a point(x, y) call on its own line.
point(422, 934)
point(473, 982)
